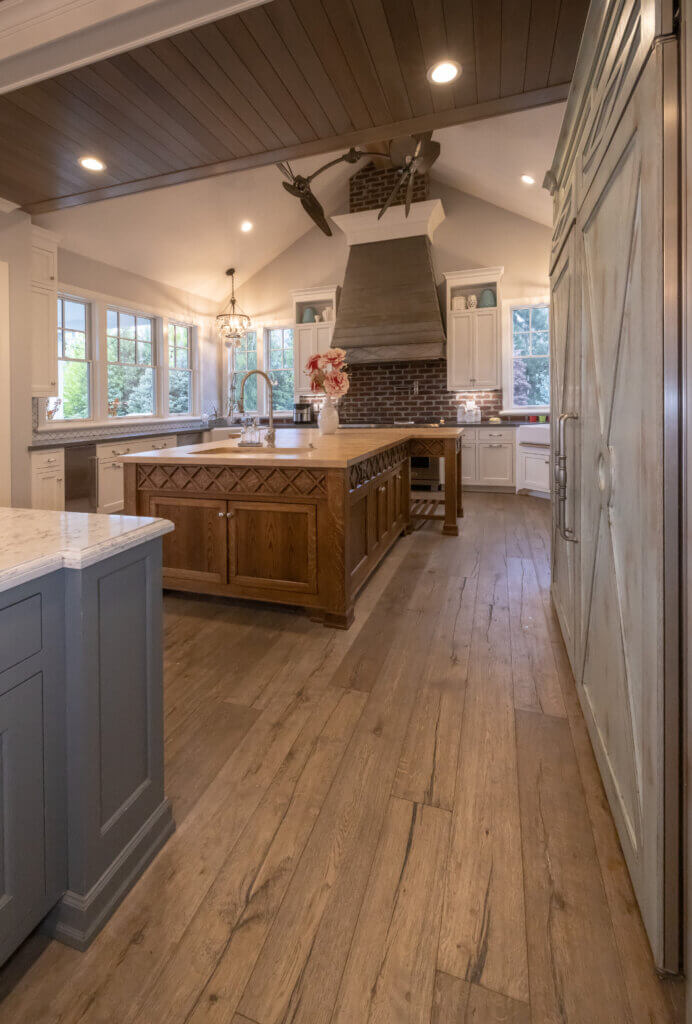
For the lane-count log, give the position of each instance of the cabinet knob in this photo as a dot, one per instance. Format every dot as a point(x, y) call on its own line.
point(229, 515)
point(58, 479)
point(221, 515)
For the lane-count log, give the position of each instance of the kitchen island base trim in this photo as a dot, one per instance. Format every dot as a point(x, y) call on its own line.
point(77, 919)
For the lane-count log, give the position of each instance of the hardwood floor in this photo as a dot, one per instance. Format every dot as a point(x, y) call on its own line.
point(399, 823)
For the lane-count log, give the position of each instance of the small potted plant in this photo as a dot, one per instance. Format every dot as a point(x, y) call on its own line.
point(328, 378)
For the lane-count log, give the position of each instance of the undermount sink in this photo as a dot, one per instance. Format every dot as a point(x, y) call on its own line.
point(235, 449)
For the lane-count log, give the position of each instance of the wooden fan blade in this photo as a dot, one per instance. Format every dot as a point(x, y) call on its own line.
point(427, 157)
point(409, 193)
point(313, 208)
point(392, 197)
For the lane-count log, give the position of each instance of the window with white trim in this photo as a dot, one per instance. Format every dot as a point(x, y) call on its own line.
point(278, 348)
point(180, 399)
point(131, 359)
point(527, 369)
point(245, 357)
point(73, 401)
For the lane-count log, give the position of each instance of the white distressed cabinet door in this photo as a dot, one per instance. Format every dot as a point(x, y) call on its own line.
point(111, 493)
point(621, 536)
point(305, 345)
point(486, 355)
point(495, 464)
point(324, 334)
point(44, 342)
point(460, 350)
point(565, 339)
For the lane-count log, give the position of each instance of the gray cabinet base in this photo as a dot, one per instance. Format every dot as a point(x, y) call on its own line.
point(77, 918)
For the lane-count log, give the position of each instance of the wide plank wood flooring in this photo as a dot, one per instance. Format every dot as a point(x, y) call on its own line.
point(398, 824)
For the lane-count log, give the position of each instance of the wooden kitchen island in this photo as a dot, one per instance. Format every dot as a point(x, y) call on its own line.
point(304, 523)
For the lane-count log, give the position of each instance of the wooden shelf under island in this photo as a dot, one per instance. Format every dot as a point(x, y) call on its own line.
point(303, 523)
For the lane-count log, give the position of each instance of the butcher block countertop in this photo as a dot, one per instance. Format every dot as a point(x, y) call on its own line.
point(297, 447)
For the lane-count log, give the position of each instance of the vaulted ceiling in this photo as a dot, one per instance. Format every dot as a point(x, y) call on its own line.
point(286, 79)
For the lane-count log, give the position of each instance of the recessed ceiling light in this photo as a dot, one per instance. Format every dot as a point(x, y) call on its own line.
point(92, 163)
point(444, 71)
point(246, 225)
point(528, 180)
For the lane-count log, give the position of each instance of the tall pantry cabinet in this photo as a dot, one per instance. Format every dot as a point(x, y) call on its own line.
point(614, 418)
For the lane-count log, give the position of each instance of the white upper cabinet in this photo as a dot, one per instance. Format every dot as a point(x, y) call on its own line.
point(473, 335)
point(460, 345)
point(44, 314)
point(315, 335)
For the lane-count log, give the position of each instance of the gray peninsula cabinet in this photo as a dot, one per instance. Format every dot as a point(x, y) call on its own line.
point(83, 809)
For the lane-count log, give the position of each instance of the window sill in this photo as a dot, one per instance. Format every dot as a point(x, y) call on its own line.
point(527, 410)
point(113, 422)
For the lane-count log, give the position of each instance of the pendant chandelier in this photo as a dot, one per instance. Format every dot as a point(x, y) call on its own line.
point(233, 323)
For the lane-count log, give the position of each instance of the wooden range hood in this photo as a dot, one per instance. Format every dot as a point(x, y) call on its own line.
point(389, 308)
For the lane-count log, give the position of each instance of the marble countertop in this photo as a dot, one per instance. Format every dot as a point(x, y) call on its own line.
point(34, 542)
point(304, 448)
point(41, 444)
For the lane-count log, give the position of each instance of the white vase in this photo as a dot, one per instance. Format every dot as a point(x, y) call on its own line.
point(328, 417)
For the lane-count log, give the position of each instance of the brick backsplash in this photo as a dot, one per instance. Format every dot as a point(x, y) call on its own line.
point(370, 187)
point(405, 390)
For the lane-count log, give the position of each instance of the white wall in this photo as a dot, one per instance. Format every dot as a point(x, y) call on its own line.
point(15, 250)
point(473, 234)
point(80, 272)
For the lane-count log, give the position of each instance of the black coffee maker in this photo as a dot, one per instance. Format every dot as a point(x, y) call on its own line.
point(302, 412)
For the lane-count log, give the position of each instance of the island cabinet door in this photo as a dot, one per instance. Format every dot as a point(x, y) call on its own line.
point(273, 546)
point(389, 507)
point(197, 549)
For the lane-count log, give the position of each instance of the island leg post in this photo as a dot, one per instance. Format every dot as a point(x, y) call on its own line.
point(460, 500)
point(452, 484)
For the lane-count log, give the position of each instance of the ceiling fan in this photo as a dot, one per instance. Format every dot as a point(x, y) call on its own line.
point(412, 155)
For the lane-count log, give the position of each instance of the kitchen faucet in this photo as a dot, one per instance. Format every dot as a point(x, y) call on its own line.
point(270, 435)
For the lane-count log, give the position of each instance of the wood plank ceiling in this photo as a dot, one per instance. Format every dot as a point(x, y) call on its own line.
point(289, 78)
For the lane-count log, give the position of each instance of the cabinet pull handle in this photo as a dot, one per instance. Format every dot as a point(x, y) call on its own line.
point(58, 479)
point(114, 465)
point(560, 475)
point(494, 446)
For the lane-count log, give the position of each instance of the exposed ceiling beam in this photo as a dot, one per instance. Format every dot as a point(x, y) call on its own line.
point(43, 38)
point(428, 122)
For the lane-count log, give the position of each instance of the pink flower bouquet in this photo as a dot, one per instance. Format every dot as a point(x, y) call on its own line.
point(327, 374)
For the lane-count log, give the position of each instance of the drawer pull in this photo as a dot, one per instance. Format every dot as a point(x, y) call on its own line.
point(495, 446)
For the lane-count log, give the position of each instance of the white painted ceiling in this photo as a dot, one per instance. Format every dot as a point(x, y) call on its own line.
point(487, 159)
point(187, 235)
